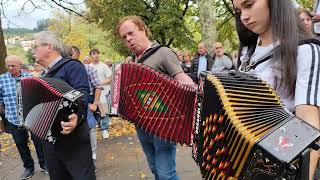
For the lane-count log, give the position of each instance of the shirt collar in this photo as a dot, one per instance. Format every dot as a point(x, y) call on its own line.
point(54, 62)
point(10, 75)
point(152, 44)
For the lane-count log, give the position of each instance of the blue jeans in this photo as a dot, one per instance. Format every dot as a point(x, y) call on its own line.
point(161, 155)
point(20, 137)
point(91, 119)
point(104, 123)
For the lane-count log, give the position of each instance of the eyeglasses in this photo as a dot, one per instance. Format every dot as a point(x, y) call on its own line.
point(35, 46)
point(10, 66)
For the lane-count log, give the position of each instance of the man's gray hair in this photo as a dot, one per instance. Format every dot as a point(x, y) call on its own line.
point(50, 38)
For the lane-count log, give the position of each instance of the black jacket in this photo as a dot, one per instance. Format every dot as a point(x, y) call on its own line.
point(195, 65)
point(74, 73)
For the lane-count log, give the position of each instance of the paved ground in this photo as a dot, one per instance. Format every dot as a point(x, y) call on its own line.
point(118, 159)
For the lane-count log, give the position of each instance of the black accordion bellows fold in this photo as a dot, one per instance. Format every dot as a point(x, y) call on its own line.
point(43, 103)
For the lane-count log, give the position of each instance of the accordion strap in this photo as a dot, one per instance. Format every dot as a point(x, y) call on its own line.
point(57, 66)
point(246, 65)
point(149, 52)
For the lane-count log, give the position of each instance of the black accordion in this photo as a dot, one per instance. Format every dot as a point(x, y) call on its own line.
point(243, 132)
point(43, 103)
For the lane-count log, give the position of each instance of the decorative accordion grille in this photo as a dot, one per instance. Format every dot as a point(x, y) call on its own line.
point(238, 110)
point(157, 103)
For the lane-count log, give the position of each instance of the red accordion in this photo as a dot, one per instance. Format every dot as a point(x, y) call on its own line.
point(43, 103)
point(157, 103)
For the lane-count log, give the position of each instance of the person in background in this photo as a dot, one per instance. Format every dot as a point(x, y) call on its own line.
point(8, 102)
point(128, 59)
point(87, 60)
point(221, 62)
point(75, 52)
point(186, 65)
point(37, 70)
point(180, 56)
point(306, 19)
point(109, 63)
point(95, 92)
point(201, 62)
point(105, 77)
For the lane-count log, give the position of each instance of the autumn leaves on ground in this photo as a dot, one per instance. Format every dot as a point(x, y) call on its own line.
point(119, 127)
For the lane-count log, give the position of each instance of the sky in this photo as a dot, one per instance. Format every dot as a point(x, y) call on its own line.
point(28, 18)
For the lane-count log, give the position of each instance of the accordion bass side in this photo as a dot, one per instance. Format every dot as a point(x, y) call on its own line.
point(115, 89)
point(43, 103)
point(157, 103)
point(243, 132)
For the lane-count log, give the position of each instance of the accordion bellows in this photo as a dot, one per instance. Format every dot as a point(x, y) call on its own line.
point(244, 132)
point(43, 103)
point(157, 103)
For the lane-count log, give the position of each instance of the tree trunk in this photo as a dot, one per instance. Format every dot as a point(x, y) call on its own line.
point(206, 15)
point(3, 49)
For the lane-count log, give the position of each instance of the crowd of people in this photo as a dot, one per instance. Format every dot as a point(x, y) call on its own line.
point(263, 26)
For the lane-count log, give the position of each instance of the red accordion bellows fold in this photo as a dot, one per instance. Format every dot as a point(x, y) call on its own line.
point(157, 103)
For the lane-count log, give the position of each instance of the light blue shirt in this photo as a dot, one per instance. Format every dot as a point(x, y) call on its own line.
point(202, 64)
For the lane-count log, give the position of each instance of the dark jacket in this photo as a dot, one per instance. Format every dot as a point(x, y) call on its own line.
point(195, 66)
point(185, 68)
point(74, 73)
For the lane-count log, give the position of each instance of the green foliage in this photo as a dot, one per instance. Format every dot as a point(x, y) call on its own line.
point(75, 31)
point(307, 4)
point(164, 18)
point(17, 31)
point(18, 51)
point(28, 56)
point(225, 26)
point(42, 25)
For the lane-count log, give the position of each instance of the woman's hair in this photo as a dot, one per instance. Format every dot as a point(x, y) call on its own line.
point(187, 53)
point(287, 31)
point(305, 11)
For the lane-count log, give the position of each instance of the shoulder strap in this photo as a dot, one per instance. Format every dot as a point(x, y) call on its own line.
point(58, 66)
point(309, 41)
point(149, 52)
point(269, 55)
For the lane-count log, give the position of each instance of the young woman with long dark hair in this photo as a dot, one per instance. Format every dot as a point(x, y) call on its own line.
point(271, 26)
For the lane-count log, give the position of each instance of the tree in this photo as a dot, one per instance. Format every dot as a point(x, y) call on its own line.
point(68, 5)
point(78, 32)
point(225, 24)
point(164, 18)
point(3, 49)
point(307, 4)
point(29, 58)
point(42, 25)
point(207, 21)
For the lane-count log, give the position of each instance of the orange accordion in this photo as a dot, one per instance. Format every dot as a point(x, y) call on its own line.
point(157, 103)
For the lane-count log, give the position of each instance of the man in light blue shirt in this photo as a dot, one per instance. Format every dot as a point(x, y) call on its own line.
point(201, 62)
